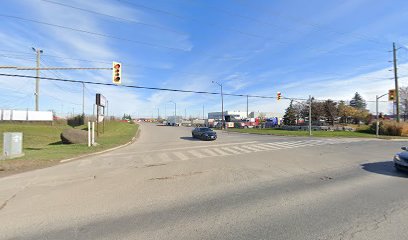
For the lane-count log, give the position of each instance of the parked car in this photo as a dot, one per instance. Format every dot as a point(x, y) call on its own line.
point(401, 160)
point(204, 133)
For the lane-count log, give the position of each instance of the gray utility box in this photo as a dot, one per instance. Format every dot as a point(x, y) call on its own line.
point(12, 145)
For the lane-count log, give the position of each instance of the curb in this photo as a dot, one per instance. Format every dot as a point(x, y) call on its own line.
point(105, 151)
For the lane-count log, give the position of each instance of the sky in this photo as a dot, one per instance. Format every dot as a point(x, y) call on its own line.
point(326, 49)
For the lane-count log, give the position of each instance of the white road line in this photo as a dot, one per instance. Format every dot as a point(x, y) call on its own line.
point(164, 157)
point(240, 149)
point(232, 151)
point(196, 154)
point(251, 148)
point(181, 156)
point(262, 148)
point(220, 152)
point(209, 152)
point(186, 148)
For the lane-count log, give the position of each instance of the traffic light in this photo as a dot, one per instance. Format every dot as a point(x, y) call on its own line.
point(391, 95)
point(117, 73)
point(278, 96)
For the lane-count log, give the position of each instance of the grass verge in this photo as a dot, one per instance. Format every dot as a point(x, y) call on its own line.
point(42, 144)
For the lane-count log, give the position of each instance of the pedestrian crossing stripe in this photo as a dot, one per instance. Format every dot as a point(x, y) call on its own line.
point(238, 149)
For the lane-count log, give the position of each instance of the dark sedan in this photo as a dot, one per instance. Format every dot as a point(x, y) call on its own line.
point(204, 133)
point(401, 160)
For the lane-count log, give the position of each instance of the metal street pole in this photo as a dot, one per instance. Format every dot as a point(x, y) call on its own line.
point(83, 99)
point(37, 80)
point(222, 105)
point(377, 125)
point(310, 115)
point(247, 108)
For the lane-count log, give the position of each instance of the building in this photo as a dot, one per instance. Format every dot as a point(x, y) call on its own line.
point(243, 115)
point(232, 114)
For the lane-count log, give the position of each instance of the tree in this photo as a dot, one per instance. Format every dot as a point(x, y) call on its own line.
point(290, 115)
point(403, 95)
point(358, 102)
point(330, 111)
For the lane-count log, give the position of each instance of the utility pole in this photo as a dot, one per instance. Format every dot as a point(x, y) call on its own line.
point(247, 107)
point(37, 80)
point(377, 126)
point(310, 115)
point(394, 50)
point(203, 112)
point(83, 99)
point(158, 113)
point(222, 105)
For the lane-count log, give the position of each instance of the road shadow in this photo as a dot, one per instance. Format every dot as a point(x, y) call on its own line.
point(189, 139)
point(384, 168)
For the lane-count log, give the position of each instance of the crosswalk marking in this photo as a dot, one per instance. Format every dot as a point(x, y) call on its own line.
point(196, 154)
point(209, 152)
point(251, 148)
point(164, 157)
point(262, 148)
point(181, 156)
point(242, 148)
point(220, 152)
point(230, 150)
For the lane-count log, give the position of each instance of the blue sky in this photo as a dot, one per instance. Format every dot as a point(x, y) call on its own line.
point(327, 49)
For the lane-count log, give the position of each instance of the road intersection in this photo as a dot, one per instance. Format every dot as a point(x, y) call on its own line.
point(242, 186)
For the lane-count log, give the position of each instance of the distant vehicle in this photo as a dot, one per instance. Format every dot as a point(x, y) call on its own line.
point(204, 133)
point(401, 160)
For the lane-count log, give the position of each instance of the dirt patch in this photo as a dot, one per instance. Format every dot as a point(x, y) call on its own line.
point(10, 167)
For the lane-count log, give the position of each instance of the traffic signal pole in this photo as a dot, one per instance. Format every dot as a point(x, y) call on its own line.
point(377, 125)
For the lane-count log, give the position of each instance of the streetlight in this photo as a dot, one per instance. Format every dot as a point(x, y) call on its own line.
point(175, 111)
point(222, 104)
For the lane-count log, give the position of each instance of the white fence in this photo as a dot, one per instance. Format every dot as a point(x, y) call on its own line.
point(18, 115)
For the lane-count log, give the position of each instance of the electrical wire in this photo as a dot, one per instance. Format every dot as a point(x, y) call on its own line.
point(115, 17)
point(167, 89)
point(93, 33)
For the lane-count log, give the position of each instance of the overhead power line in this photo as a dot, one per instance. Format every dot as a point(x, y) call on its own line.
point(115, 17)
point(93, 33)
point(254, 35)
point(167, 89)
point(143, 87)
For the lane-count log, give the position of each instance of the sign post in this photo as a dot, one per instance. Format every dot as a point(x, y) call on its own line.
point(100, 103)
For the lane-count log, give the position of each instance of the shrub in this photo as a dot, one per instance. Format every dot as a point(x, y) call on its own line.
point(390, 128)
point(76, 121)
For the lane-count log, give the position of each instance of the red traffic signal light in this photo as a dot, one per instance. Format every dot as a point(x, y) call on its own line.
point(278, 95)
point(117, 73)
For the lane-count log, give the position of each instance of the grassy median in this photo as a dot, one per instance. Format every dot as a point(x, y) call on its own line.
point(42, 144)
point(279, 132)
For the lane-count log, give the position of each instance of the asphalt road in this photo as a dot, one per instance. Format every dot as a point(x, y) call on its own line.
point(170, 186)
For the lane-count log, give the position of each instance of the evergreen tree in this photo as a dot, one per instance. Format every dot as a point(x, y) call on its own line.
point(358, 102)
point(290, 115)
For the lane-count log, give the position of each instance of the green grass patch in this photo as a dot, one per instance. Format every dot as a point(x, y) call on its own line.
point(279, 132)
point(43, 143)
